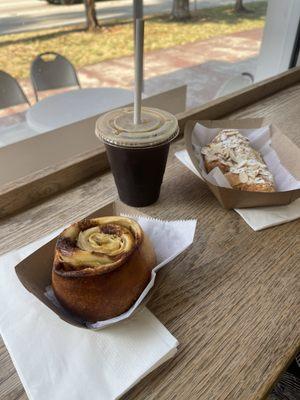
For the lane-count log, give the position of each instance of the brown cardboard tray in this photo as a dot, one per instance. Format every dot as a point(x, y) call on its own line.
point(287, 151)
point(34, 272)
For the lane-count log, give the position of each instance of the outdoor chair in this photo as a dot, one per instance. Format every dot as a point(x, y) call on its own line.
point(236, 83)
point(11, 93)
point(52, 71)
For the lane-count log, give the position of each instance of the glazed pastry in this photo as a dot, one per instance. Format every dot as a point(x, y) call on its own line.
point(101, 266)
point(243, 166)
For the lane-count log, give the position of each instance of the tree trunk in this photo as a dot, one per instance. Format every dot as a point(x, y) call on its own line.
point(239, 7)
point(91, 18)
point(180, 10)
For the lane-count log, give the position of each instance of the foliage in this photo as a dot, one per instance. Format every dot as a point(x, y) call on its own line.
point(115, 40)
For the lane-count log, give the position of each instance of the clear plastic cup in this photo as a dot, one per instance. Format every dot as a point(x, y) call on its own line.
point(137, 153)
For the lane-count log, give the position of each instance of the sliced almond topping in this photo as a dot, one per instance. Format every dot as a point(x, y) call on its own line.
point(232, 149)
point(243, 177)
point(232, 156)
point(225, 152)
point(241, 163)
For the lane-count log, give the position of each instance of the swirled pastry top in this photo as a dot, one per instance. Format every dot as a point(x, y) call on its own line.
point(98, 245)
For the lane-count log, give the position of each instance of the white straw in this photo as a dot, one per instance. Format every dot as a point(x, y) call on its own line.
point(138, 12)
point(138, 66)
point(137, 9)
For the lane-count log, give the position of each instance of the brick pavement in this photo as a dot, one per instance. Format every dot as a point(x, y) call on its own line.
point(204, 66)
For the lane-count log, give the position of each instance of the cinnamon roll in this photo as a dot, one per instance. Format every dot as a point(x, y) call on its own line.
point(101, 266)
point(242, 165)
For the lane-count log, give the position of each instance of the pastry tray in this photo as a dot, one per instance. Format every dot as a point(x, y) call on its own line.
point(35, 271)
point(287, 152)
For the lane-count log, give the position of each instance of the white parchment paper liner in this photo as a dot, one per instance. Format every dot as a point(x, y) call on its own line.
point(257, 218)
point(260, 140)
point(169, 239)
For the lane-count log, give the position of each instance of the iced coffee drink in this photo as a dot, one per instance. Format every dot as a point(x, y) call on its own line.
point(137, 153)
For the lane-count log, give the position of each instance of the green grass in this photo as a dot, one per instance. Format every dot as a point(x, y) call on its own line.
point(115, 40)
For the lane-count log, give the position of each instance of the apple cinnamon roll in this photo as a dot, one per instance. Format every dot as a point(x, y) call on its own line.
point(101, 266)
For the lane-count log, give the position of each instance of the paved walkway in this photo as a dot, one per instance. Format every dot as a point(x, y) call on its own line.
point(203, 66)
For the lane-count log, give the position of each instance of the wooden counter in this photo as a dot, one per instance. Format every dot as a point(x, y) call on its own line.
point(231, 299)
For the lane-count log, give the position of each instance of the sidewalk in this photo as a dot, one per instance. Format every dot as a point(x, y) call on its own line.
point(204, 66)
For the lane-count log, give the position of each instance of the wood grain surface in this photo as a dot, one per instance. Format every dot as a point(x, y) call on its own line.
point(29, 190)
point(231, 300)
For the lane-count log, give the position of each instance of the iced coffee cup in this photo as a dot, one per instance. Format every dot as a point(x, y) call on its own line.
point(137, 153)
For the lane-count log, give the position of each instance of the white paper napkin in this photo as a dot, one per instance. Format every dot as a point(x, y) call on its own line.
point(260, 217)
point(56, 360)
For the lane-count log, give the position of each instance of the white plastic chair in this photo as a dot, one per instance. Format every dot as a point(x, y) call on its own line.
point(236, 83)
